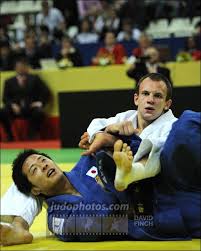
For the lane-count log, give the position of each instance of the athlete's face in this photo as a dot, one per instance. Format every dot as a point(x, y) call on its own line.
point(42, 173)
point(151, 100)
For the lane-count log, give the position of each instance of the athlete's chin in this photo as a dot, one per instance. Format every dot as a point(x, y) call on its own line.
point(149, 117)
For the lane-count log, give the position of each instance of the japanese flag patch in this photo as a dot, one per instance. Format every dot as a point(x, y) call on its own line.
point(92, 172)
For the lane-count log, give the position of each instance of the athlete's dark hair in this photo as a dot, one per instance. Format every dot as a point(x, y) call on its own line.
point(19, 178)
point(156, 77)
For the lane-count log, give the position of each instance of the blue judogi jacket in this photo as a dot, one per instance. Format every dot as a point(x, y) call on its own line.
point(67, 214)
point(160, 208)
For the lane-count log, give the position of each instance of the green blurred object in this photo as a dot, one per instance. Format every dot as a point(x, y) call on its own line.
point(58, 155)
point(184, 57)
point(64, 63)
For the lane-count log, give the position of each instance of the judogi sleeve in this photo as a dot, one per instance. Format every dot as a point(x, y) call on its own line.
point(15, 203)
point(100, 123)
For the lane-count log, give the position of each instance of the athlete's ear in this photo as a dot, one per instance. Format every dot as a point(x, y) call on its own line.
point(168, 104)
point(136, 99)
point(35, 191)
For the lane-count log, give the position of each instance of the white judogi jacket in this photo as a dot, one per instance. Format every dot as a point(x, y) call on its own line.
point(156, 132)
point(153, 138)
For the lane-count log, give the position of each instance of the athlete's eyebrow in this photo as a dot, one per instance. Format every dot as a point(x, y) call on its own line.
point(38, 158)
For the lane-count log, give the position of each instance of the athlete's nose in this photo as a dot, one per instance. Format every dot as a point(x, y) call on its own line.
point(45, 167)
point(150, 99)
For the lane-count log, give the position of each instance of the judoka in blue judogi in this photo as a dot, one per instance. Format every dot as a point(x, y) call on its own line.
point(166, 207)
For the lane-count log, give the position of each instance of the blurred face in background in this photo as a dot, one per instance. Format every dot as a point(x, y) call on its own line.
point(45, 7)
point(21, 68)
point(110, 39)
point(29, 43)
point(43, 39)
point(2, 33)
point(127, 27)
point(191, 43)
point(66, 44)
point(144, 41)
point(153, 55)
point(4, 51)
point(85, 26)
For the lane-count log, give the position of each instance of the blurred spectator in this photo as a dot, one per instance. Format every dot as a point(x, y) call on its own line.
point(3, 35)
point(190, 52)
point(108, 20)
point(28, 31)
point(143, 43)
point(193, 49)
point(51, 17)
point(128, 33)
point(6, 56)
point(24, 96)
point(44, 45)
point(30, 52)
point(111, 53)
point(198, 28)
point(135, 10)
point(68, 56)
point(24, 29)
point(88, 8)
point(69, 10)
point(197, 34)
point(149, 63)
point(86, 35)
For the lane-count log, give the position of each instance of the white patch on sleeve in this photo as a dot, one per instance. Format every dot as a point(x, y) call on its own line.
point(92, 172)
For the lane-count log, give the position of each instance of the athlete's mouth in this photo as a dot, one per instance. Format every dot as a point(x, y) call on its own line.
point(149, 108)
point(50, 172)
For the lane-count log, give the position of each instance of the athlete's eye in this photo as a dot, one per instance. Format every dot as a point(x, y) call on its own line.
point(158, 95)
point(145, 93)
point(34, 170)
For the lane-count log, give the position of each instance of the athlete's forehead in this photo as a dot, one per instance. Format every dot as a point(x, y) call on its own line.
point(33, 158)
point(153, 85)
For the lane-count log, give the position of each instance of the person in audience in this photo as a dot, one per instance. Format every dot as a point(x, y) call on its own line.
point(29, 31)
point(150, 63)
point(197, 34)
point(111, 53)
point(30, 51)
point(87, 8)
point(107, 20)
point(24, 96)
point(128, 33)
point(28, 27)
point(190, 52)
point(44, 43)
point(136, 11)
point(86, 35)
point(193, 49)
point(51, 17)
point(4, 35)
point(198, 28)
point(68, 56)
point(6, 56)
point(143, 43)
